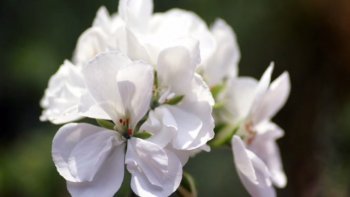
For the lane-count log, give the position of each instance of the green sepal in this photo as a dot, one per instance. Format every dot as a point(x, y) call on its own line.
point(216, 90)
point(105, 124)
point(218, 105)
point(223, 136)
point(188, 186)
point(175, 100)
point(143, 135)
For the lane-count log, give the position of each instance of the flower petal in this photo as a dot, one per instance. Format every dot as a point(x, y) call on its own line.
point(100, 78)
point(149, 157)
point(89, 108)
point(135, 84)
point(136, 50)
point(252, 171)
point(102, 17)
point(155, 171)
point(92, 42)
point(238, 98)
point(243, 163)
point(223, 63)
point(176, 24)
point(273, 100)
point(107, 180)
point(162, 125)
point(261, 90)
point(173, 64)
point(79, 150)
point(265, 147)
point(188, 127)
point(199, 103)
point(135, 12)
point(265, 80)
point(62, 97)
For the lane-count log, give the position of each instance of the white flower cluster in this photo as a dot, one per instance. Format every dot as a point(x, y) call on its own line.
point(145, 78)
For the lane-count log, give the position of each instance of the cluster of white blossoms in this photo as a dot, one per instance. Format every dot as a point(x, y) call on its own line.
point(155, 83)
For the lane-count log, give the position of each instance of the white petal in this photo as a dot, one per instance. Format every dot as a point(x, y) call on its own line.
point(79, 150)
point(252, 171)
point(241, 159)
point(199, 103)
point(92, 42)
point(89, 154)
point(107, 180)
point(223, 63)
point(265, 80)
point(182, 155)
point(100, 78)
point(238, 98)
point(188, 128)
point(89, 108)
point(136, 50)
point(135, 12)
point(261, 90)
point(155, 171)
point(102, 19)
point(149, 157)
point(135, 84)
point(176, 24)
point(265, 147)
point(162, 125)
point(62, 96)
point(200, 91)
point(263, 188)
point(273, 100)
point(173, 64)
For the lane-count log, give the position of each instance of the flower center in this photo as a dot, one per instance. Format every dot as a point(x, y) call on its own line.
point(123, 127)
point(250, 132)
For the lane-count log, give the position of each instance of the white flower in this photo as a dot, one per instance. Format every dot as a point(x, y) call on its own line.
point(189, 123)
point(140, 34)
point(223, 62)
point(251, 105)
point(91, 159)
point(61, 98)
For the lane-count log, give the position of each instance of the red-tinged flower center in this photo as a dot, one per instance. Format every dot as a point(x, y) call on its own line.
point(123, 127)
point(250, 132)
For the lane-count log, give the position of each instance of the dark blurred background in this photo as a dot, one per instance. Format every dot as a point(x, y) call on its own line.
point(309, 38)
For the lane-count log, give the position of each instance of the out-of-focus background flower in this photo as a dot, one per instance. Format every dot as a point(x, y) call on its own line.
point(309, 38)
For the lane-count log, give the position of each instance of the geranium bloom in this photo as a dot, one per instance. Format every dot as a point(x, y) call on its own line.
point(92, 159)
point(218, 47)
point(250, 107)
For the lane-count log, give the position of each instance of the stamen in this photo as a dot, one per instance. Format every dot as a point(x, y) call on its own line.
point(129, 132)
point(251, 133)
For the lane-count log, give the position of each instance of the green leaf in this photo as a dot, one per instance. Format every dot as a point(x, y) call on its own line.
point(105, 124)
point(175, 100)
point(224, 136)
point(188, 186)
point(143, 135)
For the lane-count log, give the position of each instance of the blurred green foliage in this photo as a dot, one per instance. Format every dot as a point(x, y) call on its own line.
point(305, 37)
